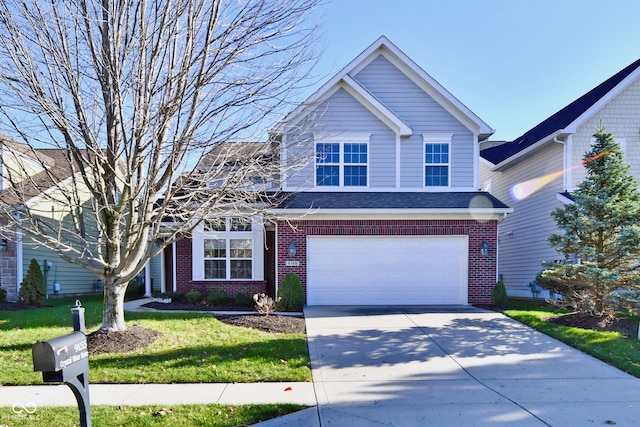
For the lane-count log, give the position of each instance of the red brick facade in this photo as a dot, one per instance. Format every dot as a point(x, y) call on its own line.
point(482, 269)
point(184, 282)
point(481, 274)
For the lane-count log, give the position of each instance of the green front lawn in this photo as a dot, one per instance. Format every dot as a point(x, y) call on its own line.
point(153, 415)
point(610, 347)
point(192, 348)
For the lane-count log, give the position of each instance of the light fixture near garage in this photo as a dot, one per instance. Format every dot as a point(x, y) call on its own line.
point(484, 248)
point(4, 245)
point(292, 249)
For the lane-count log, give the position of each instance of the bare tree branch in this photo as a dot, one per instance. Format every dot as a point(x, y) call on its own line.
point(127, 97)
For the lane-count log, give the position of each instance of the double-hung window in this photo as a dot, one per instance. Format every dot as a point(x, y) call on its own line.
point(342, 161)
point(437, 160)
point(228, 249)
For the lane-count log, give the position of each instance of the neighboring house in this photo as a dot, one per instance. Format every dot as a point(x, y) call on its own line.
point(23, 174)
point(536, 172)
point(384, 208)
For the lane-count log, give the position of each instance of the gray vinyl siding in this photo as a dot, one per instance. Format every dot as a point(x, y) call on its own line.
point(424, 115)
point(72, 278)
point(342, 114)
point(522, 236)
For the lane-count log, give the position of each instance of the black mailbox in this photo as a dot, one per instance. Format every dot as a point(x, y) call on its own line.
point(61, 358)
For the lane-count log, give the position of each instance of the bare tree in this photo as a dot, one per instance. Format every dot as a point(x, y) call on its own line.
point(132, 94)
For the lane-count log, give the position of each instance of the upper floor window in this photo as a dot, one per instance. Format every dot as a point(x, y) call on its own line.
point(437, 165)
point(342, 161)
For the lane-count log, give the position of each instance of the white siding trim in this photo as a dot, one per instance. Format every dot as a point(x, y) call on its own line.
point(437, 138)
point(574, 125)
point(372, 104)
point(174, 253)
point(398, 159)
point(427, 83)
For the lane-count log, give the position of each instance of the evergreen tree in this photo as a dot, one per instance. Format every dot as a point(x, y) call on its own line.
point(600, 229)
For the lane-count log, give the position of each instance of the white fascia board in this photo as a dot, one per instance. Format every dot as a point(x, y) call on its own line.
point(565, 200)
point(427, 83)
point(503, 164)
point(434, 89)
point(574, 125)
point(328, 189)
point(32, 202)
point(486, 162)
point(374, 105)
point(441, 214)
point(327, 89)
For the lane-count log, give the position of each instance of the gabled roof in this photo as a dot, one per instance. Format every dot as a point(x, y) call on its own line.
point(56, 165)
point(232, 152)
point(344, 79)
point(567, 119)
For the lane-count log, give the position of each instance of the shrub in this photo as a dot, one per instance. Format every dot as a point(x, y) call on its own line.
point(194, 296)
point(264, 304)
point(3, 295)
point(33, 290)
point(176, 296)
point(135, 290)
point(290, 294)
point(243, 298)
point(499, 294)
point(216, 297)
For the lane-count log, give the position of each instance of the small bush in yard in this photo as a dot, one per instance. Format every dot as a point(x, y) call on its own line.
point(216, 297)
point(499, 294)
point(33, 290)
point(3, 295)
point(290, 293)
point(264, 304)
point(194, 296)
point(243, 298)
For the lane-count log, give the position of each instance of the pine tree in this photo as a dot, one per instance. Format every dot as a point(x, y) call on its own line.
point(600, 229)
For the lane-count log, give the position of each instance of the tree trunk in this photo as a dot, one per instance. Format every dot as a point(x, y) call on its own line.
point(113, 311)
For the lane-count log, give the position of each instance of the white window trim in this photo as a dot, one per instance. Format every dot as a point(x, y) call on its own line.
point(436, 138)
point(256, 235)
point(341, 139)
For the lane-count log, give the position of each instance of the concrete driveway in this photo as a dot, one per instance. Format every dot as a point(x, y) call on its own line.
point(417, 366)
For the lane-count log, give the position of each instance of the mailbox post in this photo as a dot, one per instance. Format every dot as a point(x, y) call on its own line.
point(66, 359)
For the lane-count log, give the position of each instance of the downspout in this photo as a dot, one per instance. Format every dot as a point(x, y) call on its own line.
point(566, 176)
point(174, 274)
point(398, 145)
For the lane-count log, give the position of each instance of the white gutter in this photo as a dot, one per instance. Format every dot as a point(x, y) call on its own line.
point(527, 150)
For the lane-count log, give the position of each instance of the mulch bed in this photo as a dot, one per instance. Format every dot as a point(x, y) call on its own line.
point(185, 306)
point(14, 306)
point(626, 327)
point(133, 338)
point(272, 323)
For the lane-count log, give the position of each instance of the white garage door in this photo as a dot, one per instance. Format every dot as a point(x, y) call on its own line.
point(372, 270)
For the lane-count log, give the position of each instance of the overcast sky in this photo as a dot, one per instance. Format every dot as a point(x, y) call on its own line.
point(512, 62)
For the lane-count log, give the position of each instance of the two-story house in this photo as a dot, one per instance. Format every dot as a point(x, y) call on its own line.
point(33, 178)
point(536, 172)
point(382, 206)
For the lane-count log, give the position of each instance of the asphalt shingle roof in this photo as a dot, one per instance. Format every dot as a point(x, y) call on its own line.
point(557, 121)
point(386, 200)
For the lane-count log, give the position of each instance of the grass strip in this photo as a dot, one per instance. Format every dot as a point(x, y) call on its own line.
point(191, 348)
point(152, 415)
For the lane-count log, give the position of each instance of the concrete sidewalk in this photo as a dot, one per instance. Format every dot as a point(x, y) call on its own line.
point(161, 394)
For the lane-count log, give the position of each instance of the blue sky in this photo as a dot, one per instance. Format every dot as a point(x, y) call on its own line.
point(512, 62)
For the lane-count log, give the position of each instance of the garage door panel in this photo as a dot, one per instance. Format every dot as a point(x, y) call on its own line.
point(373, 270)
